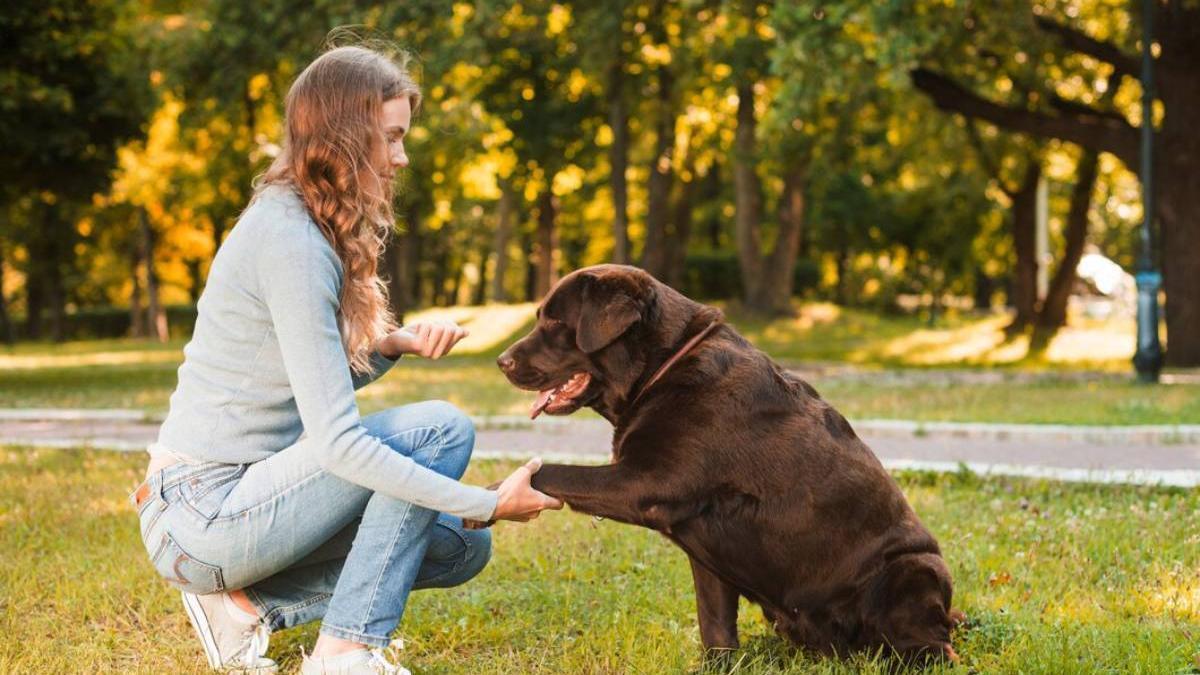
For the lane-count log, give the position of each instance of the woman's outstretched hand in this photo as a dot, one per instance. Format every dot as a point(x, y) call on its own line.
point(517, 498)
point(431, 339)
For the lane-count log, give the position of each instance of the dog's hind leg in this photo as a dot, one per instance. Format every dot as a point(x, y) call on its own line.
point(717, 609)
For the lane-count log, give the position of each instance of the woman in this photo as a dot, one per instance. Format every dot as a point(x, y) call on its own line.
point(262, 529)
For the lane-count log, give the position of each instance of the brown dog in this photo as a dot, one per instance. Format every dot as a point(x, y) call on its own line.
point(741, 464)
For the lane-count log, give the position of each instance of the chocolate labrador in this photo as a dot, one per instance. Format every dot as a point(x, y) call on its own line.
point(738, 462)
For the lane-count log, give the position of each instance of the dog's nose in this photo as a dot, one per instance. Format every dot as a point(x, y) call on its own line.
point(506, 362)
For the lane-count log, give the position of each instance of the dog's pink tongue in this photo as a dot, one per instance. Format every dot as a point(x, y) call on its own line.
point(543, 400)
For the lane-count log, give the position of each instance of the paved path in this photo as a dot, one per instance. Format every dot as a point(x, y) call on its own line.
point(1165, 454)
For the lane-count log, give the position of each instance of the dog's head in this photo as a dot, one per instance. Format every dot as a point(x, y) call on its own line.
point(595, 334)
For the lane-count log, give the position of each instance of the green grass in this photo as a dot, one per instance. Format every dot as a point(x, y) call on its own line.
point(868, 365)
point(1055, 578)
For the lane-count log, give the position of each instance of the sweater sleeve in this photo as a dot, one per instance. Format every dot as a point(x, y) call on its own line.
point(299, 275)
point(380, 364)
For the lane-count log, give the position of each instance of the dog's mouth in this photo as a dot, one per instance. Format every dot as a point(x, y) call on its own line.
point(560, 399)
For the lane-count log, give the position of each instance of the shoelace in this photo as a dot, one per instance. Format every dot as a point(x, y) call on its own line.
point(380, 663)
point(255, 644)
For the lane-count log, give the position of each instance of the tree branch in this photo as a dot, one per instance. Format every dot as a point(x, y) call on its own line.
point(1092, 130)
point(1124, 65)
point(985, 158)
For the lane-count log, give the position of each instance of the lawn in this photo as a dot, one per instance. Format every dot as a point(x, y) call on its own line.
point(1055, 578)
point(869, 366)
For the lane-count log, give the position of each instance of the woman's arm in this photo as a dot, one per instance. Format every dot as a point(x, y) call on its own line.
point(299, 276)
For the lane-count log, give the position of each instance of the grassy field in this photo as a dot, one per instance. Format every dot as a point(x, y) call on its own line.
point(1055, 578)
point(867, 365)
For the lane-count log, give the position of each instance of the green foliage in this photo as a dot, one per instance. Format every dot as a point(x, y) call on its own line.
point(898, 198)
point(715, 275)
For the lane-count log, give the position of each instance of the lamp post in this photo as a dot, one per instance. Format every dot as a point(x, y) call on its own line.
point(1149, 356)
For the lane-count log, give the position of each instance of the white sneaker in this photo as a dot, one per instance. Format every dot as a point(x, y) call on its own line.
point(230, 645)
point(357, 662)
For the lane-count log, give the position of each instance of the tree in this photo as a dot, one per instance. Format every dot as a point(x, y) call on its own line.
point(535, 85)
point(1097, 129)
point(74, 91)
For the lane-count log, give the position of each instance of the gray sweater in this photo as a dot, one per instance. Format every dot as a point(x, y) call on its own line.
point(266, 364)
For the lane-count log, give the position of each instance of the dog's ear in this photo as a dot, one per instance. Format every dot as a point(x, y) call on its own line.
point(604, 315)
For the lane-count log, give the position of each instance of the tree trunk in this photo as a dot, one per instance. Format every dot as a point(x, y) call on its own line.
point(712, 191)
point(681, 222)
point(156, 315)
point(441, 273)
point(58, 301)
point(195, 283)
point(1024, 235)
point(137, 316)
point(985, 286)
point(456, 282)
point(1053, 312)
point(841, 292)
point(56, 239)
point(780, 274)
point(501, 237)
point(748, 198)
point(1177, 174)
point(34, 301)
point(391, 276)
point(546, 252)
point(402, 260)
point(531, 268)
point(6, 327)
point(618, 157)
point(658, 193)
point(479, 295)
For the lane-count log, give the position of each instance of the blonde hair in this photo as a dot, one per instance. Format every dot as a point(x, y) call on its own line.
point(332, 122)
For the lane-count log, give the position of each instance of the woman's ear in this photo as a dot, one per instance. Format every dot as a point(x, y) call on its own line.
point(604, 315)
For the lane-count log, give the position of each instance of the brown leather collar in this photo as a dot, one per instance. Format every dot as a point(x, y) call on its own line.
point(674, 358)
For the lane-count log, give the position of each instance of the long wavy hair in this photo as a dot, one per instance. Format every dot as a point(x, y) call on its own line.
point(333, 129)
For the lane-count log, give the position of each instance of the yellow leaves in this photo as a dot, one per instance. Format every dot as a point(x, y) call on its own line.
point(499, 135)
point(722, 71)
point(658, 55)
point(577, 84)
point(258, 85)
point(527, 93)
point(558, 20)
point(604, 136)
point(478, 179)
point(462, 12)
point(568, 180)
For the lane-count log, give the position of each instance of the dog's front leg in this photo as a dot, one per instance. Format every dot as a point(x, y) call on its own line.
point(610, 491)
point(717, 610)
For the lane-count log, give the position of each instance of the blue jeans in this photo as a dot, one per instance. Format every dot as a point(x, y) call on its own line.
point(304, 544)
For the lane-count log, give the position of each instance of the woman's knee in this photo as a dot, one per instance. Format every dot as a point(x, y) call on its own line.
point(457, 436)
point(442, 439)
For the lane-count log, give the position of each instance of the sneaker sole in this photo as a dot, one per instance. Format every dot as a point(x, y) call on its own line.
point(200, 623)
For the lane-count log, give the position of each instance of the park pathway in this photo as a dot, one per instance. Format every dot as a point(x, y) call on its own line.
point(1167, 454)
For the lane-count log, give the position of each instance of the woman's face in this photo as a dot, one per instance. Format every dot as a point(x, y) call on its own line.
point(396, 117)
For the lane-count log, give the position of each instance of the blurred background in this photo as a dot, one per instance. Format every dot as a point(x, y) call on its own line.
point(961, 162)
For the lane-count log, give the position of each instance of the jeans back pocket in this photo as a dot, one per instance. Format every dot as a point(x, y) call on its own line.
point(204, 492)
point(183, 571)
